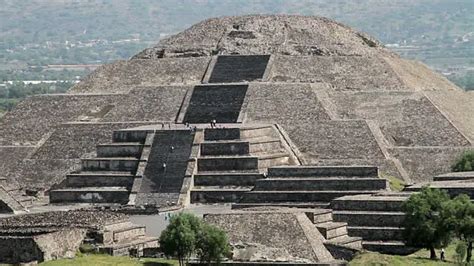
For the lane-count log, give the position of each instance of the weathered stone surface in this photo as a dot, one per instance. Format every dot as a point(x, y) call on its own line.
point(60, 219)
point(282, 230)
point(122, 76)
point(158, 103)
point(292, 35)
point(405, 118)
point(342, 72)
point(422, 163)
point(28, 123)
point(338, 97)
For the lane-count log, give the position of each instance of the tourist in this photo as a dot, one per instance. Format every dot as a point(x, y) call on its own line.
point(442, 255)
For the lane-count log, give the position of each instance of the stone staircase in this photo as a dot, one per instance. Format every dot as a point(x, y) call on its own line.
point(239, 68)
point(13, 199)
point(312, 186)
point(377, 219)
point(231, 160)
point(335, 233)
point(453, 183)
point(109, 177)
point(123, 239)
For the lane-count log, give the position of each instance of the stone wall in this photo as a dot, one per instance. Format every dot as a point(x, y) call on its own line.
point(158, 103)
point(35, 116)
point(19, 249)
point(406, 119)
point(122, 76)
point(335, 140)
point(423, 163)
point(284, 104)
point(342, 72)
point(275, 230)
point(457, 106)
point(61, 244)
point(78, 140)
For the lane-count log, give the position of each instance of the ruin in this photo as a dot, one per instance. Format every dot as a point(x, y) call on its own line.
point(309, 112)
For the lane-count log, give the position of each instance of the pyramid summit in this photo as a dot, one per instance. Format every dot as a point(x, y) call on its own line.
point(289, 90)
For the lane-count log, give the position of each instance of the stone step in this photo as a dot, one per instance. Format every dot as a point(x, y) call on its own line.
point(296, 196)
point(8, 203)
point(347, 241)
point(117, 195)
point(455, 176)
point(217, 195)
point(369, 218)
point(129, 136)
point(226, 163)
point(225, 148)
point(215, 134)
point(110, 164)
point(97, 179)
point(304, 183)
point(332, 230)
point(368, 203)
point(453, 188)
point(271, 160)
point(120, 149)
point(327, 171)
point(304, 205)
point(226, 179)
point(389, 247)
point(128, 233)
point(124, 248)
point(256, 134)
point(370, 233)
point(119, 233)
point(265, 146)
point(320, 216)
point(239, 68)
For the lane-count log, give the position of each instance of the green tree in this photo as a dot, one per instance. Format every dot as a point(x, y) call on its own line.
point(179, 237)
point(459, 218)
point(212, 244)
point(465, 162)
point(187, 234)
point(423, 223)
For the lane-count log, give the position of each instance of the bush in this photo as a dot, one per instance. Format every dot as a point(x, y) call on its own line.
point(465, 162)
point(461, 251)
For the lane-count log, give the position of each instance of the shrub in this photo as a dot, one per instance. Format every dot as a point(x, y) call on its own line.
point(465, 162)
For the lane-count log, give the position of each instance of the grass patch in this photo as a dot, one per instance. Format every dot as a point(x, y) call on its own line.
point(396, 184)
point(106, 260)
point(418, 258)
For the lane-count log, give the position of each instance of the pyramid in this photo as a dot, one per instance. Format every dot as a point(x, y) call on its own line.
point(335, 96)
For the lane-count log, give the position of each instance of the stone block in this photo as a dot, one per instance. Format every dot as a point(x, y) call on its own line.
point(225, 148)
point(227, 163)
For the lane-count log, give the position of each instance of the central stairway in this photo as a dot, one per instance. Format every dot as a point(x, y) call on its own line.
point(231, 160)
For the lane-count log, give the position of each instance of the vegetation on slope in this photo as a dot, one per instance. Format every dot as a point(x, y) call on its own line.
point(465, 162)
